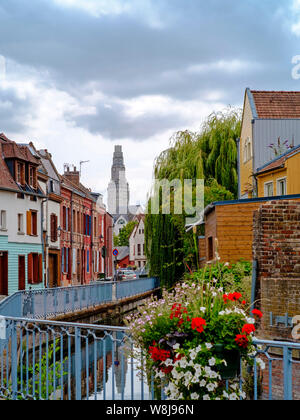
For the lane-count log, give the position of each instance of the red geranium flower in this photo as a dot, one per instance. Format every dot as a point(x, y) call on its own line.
point(258, 313)
point(234, 296)
point(242, 340)
point(198, 323)
point(248, 329)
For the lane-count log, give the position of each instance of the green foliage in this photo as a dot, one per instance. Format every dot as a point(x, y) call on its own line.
point(211, 155)
point(43, 378)
point(123, 238)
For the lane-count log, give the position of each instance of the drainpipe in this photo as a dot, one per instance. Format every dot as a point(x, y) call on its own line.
point(254, 278)
point(238, 144)
point(71, 233)
point(43, 242)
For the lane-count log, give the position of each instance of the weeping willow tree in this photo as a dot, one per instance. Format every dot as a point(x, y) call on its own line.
point(210, 154)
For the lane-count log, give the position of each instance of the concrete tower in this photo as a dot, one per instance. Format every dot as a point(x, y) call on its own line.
point(118, 188)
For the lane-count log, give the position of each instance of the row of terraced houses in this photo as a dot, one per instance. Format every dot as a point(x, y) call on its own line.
point(53, 230)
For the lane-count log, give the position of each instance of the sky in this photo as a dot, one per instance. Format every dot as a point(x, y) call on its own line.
point(78, 77)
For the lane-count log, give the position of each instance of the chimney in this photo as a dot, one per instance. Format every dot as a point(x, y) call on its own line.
point(72, 176)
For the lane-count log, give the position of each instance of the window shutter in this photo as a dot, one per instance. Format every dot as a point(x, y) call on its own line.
point(52, 228)
point(90, 225)
point(55, 227)
point(63, 260)
point(69, 264)
point(30, 269)
point(29, 230)
point(40, 272)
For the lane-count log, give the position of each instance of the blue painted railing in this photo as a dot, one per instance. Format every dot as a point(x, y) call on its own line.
point(135, 287)
point(49, 303)
point(83, 361)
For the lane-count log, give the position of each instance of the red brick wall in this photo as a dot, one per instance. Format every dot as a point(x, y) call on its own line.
point(276, 248)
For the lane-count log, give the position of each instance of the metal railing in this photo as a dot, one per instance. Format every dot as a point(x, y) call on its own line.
point(54, 360)
point(49, 303)
point(47, 360)
point(135, 287)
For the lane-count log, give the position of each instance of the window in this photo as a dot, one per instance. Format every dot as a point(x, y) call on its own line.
point(3, 220)
point(35, 268)
point(281, 186)
point(247, 150)
point(32, 223)
point(210, 248)
point(20, 224)
point(20, 173)
point(32, 177)
point(53, 228)
point(139, 249)
point(269, 190)
point(88, 261)
point(51, 186)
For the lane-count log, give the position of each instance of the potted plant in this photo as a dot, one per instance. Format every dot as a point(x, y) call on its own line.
point(194, 339)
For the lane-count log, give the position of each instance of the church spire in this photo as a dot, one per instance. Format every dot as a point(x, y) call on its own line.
point(118, 188)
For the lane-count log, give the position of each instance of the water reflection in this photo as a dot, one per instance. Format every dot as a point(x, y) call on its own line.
point(108, 371)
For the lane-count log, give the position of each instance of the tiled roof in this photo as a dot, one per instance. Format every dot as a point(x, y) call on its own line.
point(6, 180)
point(9, 150)
point(277, 105)
point(81, 188)
point(279, 161)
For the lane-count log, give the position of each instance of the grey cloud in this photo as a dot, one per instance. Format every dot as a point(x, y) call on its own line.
point(112, 122)
point(127, 58)
point(13, 111)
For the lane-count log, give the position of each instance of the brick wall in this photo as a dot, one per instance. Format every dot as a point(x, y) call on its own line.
point(276, 247)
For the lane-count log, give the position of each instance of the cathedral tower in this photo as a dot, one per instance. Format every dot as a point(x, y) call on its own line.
point(118, 188)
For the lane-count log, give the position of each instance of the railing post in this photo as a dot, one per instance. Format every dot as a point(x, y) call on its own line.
point(14, 361)
point(45, 304)
point(78, 363)
point(114, 291)
point(287, 374)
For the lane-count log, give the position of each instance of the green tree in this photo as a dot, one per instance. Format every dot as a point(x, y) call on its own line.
point(123, 238)
point(210, 154)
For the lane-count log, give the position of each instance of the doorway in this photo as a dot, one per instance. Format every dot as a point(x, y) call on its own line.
point(53, 271)
point(22, 269)
point(3, 273)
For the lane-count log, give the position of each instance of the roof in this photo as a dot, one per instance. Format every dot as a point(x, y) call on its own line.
point(212, 206)
point(11, 150)
point(123, 252)
point(276, 104)
point(79, 189)
point(279, 161)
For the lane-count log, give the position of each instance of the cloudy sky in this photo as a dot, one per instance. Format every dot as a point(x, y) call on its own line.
point(80, 76)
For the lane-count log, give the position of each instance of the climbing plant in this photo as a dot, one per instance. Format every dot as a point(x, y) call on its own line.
point(210, 154)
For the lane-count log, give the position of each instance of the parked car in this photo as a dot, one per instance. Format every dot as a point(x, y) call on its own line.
point(126, 275)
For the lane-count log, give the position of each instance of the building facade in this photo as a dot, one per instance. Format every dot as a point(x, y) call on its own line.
point(21, 215)
point(137, 243)
point(268, 118)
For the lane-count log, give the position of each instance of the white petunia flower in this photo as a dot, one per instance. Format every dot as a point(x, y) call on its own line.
point(209, 346)
point(195, 396)
point(176, 346)
point(206, 398)
point(212, 361)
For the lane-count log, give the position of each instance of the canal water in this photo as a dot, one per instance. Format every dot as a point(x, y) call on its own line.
point(109, 372)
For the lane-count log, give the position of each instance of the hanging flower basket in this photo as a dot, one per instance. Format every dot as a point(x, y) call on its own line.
point(194, 339)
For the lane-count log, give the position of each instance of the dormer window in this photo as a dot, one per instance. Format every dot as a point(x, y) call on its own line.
point(32, 177)
point(20, 173)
